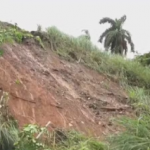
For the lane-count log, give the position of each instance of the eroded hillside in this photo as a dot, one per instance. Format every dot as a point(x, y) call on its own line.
point(43, 87)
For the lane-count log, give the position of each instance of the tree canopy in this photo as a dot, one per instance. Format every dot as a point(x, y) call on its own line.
point(116, 38)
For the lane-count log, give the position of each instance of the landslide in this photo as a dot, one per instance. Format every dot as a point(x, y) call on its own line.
point(44, 87)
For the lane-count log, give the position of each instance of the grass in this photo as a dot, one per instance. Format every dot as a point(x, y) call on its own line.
point(136, 133)
point(11, 33)
point(56, 140)
point(8, 129)
point(139, 99)
point(77, 141)
point(75, 49)
point(135, 137)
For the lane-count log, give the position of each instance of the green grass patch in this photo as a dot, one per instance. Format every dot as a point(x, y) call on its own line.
point(139, 99)
point(10, 33)
point(135, 137)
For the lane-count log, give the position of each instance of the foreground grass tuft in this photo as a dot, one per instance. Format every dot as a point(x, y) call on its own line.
point(135, 137)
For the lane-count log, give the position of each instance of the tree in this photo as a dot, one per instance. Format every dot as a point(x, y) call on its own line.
point(116, 38)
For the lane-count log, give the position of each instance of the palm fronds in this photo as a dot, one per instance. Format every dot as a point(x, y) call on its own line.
point(105, 33)
point(107, 20)
point(116, 37)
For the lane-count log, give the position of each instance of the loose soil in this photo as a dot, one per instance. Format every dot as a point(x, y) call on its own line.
point(43, 87)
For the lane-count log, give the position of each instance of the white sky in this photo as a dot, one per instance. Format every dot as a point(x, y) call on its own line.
point(71, 16)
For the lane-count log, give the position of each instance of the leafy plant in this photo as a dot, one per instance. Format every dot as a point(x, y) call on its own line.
point(5, 36)
point(77, 141)
point(28, 140)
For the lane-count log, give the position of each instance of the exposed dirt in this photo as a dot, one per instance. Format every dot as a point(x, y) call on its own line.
point(44, 88)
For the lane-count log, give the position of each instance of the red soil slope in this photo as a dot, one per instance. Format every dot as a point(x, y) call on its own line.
point(42, 87)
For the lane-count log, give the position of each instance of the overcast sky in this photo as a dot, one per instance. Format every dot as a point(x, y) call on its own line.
point(71, 16)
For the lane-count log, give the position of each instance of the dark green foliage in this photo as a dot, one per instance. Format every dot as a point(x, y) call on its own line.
point(116, 38)
point(144, 59)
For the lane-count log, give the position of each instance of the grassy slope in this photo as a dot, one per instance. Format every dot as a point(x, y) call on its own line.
point(129, 71)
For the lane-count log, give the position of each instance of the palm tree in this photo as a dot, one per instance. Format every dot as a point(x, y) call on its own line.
point(116, 38)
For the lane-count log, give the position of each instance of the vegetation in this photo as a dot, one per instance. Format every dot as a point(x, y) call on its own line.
point(136, 130)
point(144, 59)
point(131, 74)
point(10, 33)
point(116, 37)
point(135, 137)
point(87, 34)
point(8, 130)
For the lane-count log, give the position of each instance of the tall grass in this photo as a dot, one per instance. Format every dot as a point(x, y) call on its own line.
point(77, 141)
point(8, 131)
point(66, 44)
point(126, 70)
point(135, 137)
